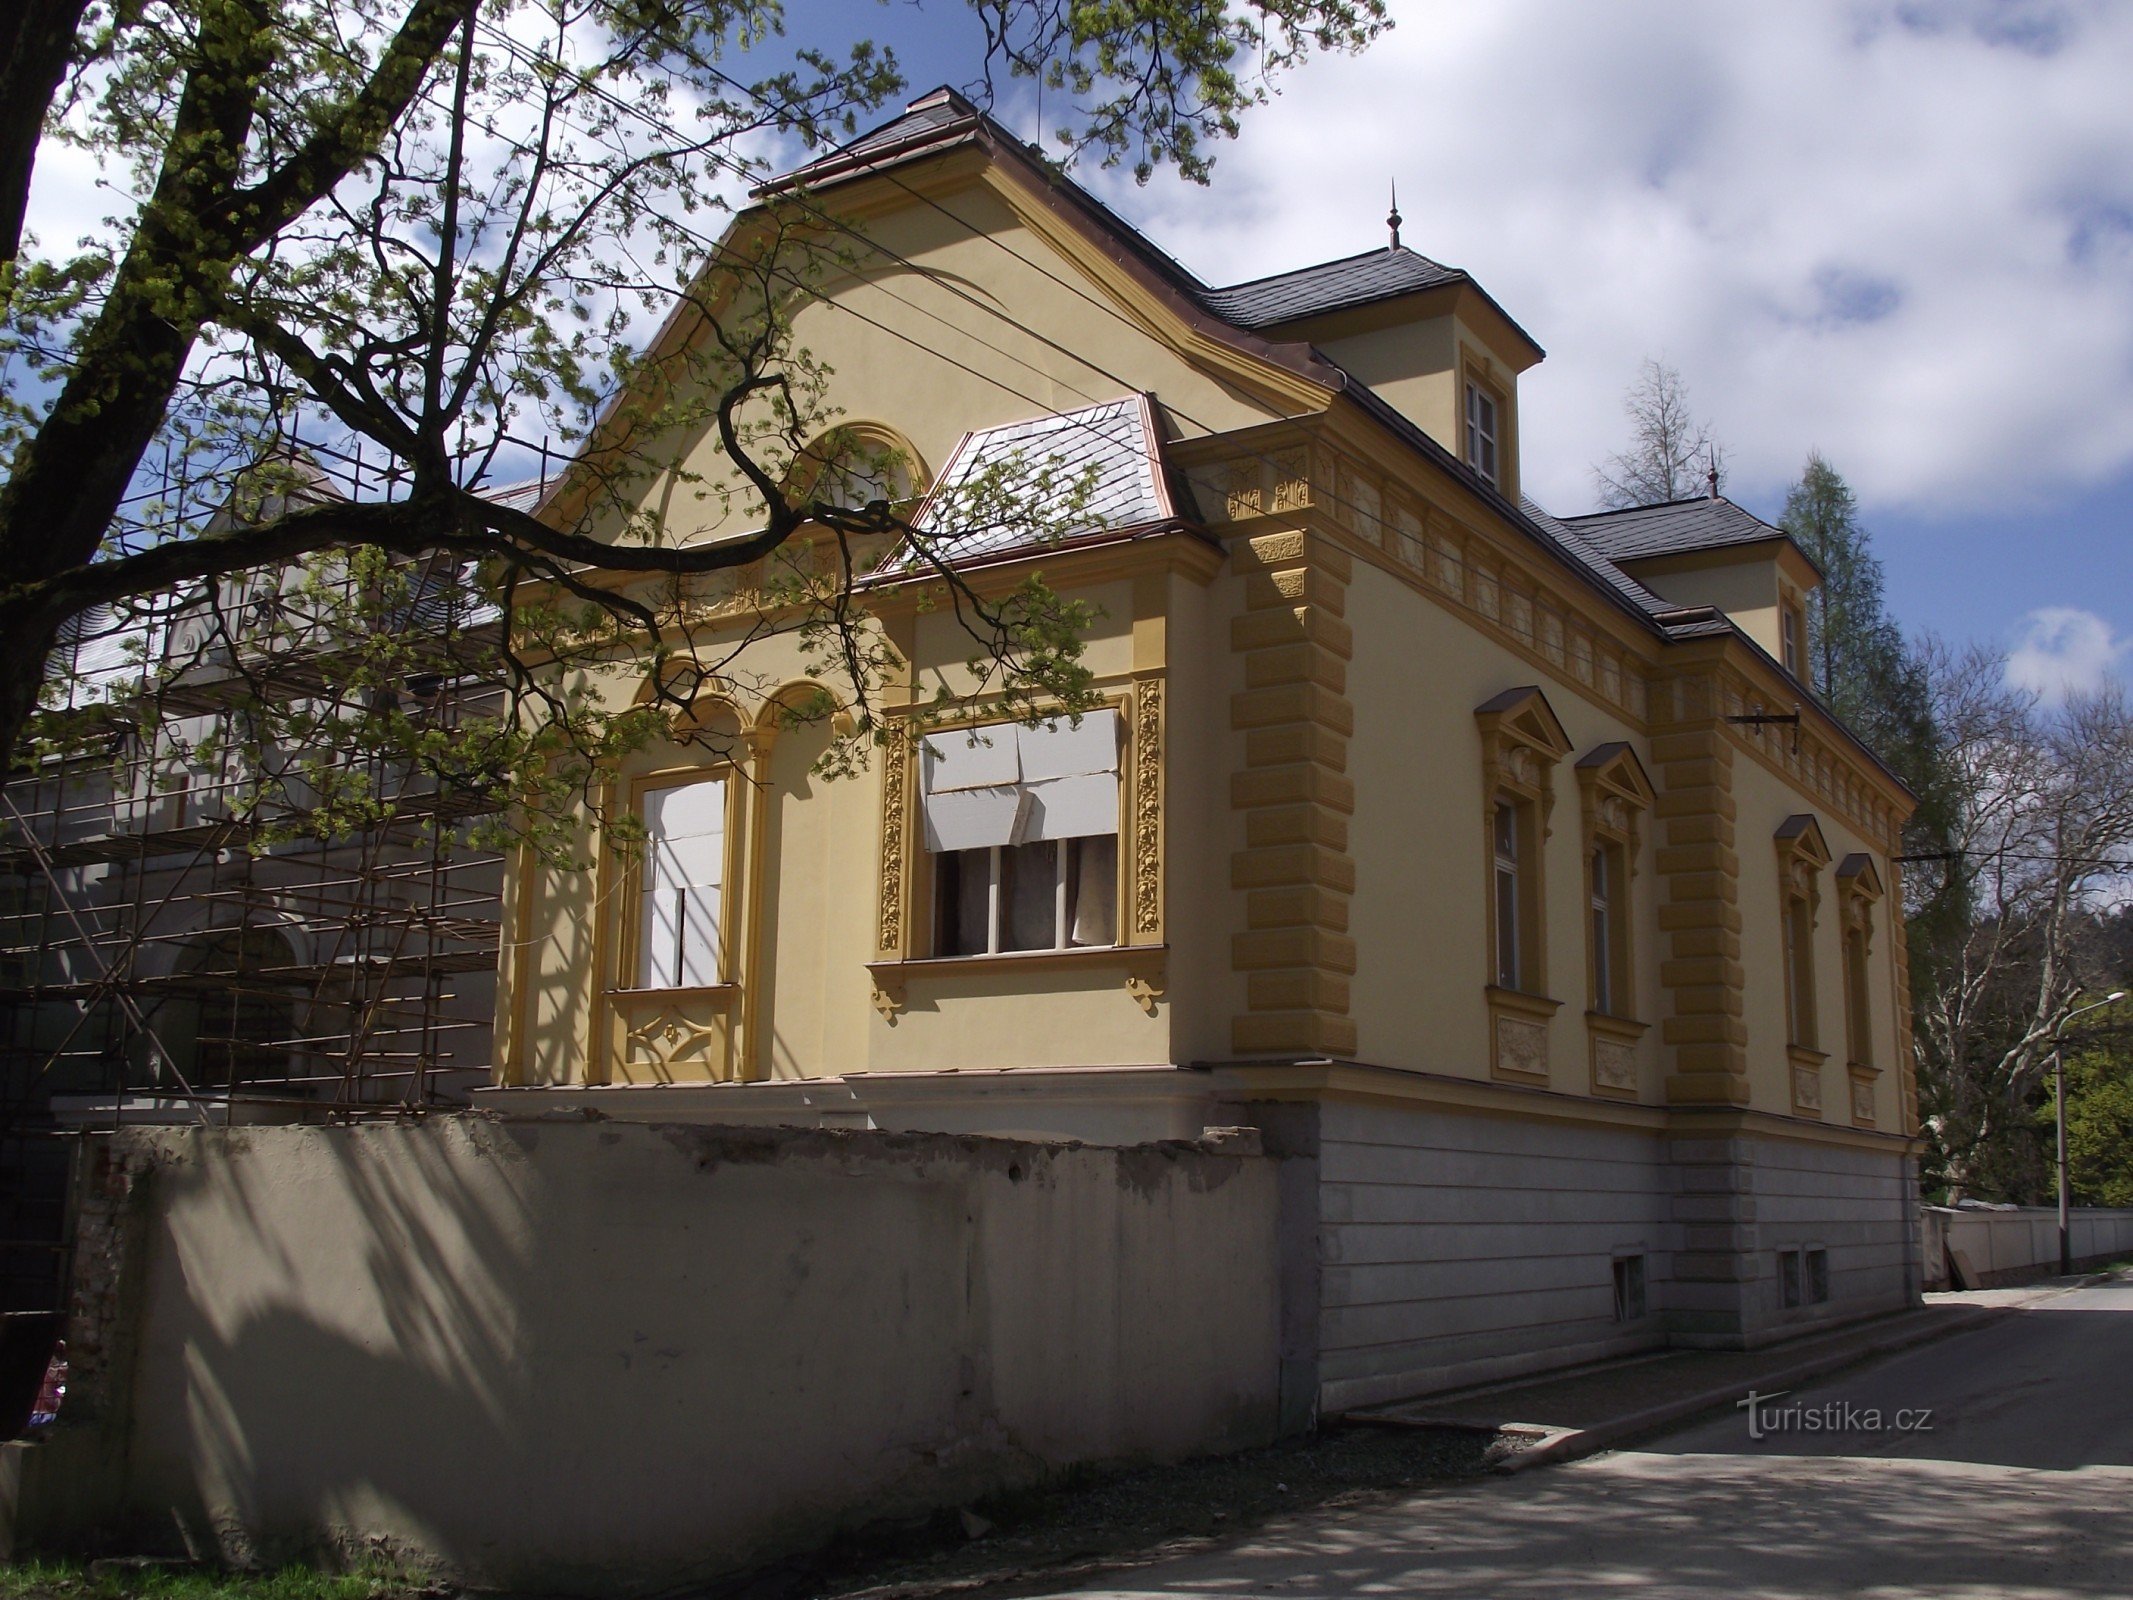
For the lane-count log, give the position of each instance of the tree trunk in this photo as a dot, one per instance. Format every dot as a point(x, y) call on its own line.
point(25, 647)
point(36, 38)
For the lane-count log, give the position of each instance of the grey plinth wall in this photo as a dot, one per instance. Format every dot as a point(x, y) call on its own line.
point(1443, 1248)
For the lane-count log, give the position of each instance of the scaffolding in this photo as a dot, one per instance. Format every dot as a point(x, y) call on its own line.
point(172, 949)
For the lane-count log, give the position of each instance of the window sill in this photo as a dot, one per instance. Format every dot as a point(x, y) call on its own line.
point(1628, 1029)
point(702, 991)
point(1538, 1006)
point(1143, 966)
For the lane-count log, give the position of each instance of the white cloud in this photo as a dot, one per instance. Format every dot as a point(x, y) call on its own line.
point(1901, 234)
point(2063, 650)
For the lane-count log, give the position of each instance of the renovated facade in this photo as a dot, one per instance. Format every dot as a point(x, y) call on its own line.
point(1500, 869)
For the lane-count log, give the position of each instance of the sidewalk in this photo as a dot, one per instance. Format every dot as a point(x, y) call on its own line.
point(1566, 1415)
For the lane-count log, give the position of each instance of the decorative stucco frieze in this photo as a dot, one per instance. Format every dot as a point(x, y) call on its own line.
point(1148, 807)
point(895, 809)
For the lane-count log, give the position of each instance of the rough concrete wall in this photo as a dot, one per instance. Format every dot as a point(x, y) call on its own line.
point(1462, 1248)
point(586, 1356)
point(2010, 1246)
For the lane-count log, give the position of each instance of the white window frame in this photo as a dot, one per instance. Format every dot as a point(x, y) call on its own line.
point(684, 966)
point(1068, 886)
point(1508, 890)
point(1483, 452)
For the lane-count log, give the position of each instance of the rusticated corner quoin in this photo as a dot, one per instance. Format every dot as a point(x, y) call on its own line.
point(1294, 871)
point(1699, 916)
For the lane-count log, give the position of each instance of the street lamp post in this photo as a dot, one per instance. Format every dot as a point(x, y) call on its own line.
point(2066, 1237)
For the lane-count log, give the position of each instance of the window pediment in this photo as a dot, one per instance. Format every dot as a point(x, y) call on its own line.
point(1521, 739)
point(1802, 854)
point(1857, 876)
point(1616, 791)
point(1858, 891)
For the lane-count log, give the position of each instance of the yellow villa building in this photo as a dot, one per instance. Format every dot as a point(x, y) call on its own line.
point(1501, 871)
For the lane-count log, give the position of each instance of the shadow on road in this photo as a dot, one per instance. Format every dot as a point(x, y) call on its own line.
point(1665, 1526)
point(2043, 1387)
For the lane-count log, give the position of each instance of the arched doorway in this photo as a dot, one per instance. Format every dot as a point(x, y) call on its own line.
point(243, 1010)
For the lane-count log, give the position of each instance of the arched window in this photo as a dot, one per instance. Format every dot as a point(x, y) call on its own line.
point(242, 1011)
point(859, 464)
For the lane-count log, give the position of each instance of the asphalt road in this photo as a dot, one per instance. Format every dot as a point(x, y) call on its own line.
point(1997, 1462)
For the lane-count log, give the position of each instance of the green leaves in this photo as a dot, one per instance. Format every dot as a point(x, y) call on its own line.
point(370, 259)
point(1152, 82)
point(1861, 665)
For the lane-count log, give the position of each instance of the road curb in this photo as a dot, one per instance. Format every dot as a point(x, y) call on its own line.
point(1571, 1444)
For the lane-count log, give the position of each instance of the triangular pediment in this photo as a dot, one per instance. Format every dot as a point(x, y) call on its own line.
point(1615, 767)
point(1524, 715)
point(1857, 873)
point(1800, 836)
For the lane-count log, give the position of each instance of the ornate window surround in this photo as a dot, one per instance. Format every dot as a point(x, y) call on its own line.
point(904, 892)
point(1522, 739)
point(874, 437)
point(1859, 891)
point(1616, 796)
point(673, 1035)
point(1802, 853)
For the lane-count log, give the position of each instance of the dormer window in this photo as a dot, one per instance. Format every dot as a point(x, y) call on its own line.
point(1481, 431)
point(1792, 639)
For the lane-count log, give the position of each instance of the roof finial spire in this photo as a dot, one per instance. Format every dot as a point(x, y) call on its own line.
point(1710, 471)
point(1392, 219)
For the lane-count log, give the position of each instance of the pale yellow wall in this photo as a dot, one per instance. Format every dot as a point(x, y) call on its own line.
point(944, 645)
point(802, 913)
point(548, 983)
point(904, 344)
point(809, 886)
point(1205, 831)
point(1410, 365)
point(1419, 913)
point(1747, 592)
point(1420, 367)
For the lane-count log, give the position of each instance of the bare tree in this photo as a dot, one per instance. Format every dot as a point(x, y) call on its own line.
point(1671, 456)
point(426, 235)
point(2041, 846)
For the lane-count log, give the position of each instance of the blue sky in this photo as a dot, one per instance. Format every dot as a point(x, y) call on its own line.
point(1896, 231)
point(1899, 233)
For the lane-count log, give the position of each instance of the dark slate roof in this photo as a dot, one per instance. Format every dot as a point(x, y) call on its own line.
point(1329, 286)
point(944, 117)
point(1672, 528)
point(1582, 551)
point(943, 108)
